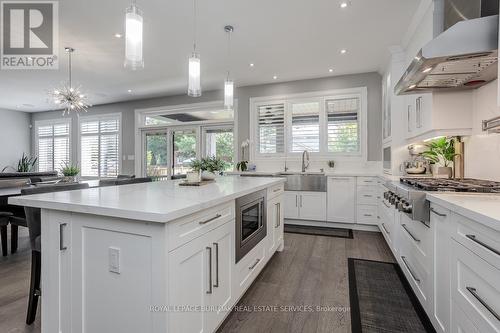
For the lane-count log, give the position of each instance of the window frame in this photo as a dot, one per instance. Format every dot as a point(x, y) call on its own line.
point(321, 97)
point(120, 138)
point(52, 122)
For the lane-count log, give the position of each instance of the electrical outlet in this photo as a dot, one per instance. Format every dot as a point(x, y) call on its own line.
point(114, 260)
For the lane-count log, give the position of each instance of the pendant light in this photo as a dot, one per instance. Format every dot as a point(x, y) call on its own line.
point(194, 81)
point(133, 37)
point(228, 83)
point(68, 97)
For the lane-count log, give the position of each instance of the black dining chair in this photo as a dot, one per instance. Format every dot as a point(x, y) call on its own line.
point(33, 222)
point(4, 221)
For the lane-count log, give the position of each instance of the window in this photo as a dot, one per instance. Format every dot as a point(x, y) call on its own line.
point(53, 144)
point(100, 146)
point(271, 128)
point(343, 125)
point(157, 154)
point(328, 124)
point(185, 143)
point(305, 127)
point(219, 142)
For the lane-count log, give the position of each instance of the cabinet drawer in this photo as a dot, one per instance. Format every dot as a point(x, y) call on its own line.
point(249, 267)
point(368, 195)
point(475, 287)
point(480, 239)
point(460, 323)
point(367, 214)
point(274, 191)
point(416, 274)
point(195, 225)
point(385, 226)
point(417, 237)
point(370, 181)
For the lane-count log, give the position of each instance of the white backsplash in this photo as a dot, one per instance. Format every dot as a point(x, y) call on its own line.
point(482, 151)
point(347, 167)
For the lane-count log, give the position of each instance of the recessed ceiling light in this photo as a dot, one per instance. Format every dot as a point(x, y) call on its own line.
point(343, 51)
point(275, 77)
point(330, 70)
point(117, 35)
point(344, 4)
point(129, 91)
point(252, 64)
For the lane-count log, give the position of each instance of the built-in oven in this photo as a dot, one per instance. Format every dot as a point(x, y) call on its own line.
point(387, 163)
point(250, 222)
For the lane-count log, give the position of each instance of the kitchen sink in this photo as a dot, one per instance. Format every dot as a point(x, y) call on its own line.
point(305, 181)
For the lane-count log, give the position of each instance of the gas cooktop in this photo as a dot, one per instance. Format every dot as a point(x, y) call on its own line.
point(453, 185)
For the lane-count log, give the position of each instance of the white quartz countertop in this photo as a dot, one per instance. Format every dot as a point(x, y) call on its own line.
point(156, 202)
point(482, 208)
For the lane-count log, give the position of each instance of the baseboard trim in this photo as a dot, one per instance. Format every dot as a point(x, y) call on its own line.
point(354, 226)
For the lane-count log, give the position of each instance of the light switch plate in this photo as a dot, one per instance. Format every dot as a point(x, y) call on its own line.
point(114, 260)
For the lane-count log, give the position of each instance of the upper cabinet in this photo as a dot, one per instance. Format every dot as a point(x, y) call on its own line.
point(386, 107)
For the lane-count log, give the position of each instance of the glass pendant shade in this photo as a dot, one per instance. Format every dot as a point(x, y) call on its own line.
point(228, 94)
point(133, 38)
point(194, 84)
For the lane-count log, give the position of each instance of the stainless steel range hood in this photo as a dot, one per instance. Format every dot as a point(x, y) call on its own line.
point(463, 57)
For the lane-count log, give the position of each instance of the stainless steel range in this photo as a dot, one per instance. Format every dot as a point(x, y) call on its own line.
point(409, 195)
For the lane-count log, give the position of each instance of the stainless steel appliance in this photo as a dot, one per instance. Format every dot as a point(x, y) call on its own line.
point(250, 222)
point(409, 195)
point(464, 56)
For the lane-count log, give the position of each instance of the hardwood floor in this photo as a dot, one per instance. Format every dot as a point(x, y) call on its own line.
point(311, 271)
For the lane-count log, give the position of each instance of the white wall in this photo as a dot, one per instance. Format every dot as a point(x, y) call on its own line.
point(482, 151)
point(15, 136)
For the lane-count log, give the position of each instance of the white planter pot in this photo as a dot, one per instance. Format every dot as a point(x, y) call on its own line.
point(207, 175)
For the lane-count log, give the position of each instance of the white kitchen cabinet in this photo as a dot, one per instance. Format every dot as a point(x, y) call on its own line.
point(275, 210)
point(305, 205)
point(291, 205)
point(341, 200)
point(200, 275)
point(440, 314)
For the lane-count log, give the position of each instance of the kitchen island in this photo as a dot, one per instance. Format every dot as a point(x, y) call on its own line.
point(153, 257)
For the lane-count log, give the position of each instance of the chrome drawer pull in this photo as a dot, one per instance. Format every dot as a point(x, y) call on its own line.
point(216, 284)
point(278, 215)
point(277, 190)
point(387, 205)
point(410, 270)
point(367, 196)
point(209, 291)
point(61, 237)
point(437, 213)
point(210, 219)
point(474, 293)
point(474, 239)
point(383, 226)
point(254, 264)
point(409, 233)
point(367, 215)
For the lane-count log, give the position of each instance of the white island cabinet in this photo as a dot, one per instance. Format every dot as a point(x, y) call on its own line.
point(152, 257)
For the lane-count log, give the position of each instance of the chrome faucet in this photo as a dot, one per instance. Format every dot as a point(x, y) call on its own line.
point(305, 155)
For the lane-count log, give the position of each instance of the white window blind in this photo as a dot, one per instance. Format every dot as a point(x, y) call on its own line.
point(271, 129)
point(53, 146)
point(305, 127)
point(343, 125)
point(100, 147)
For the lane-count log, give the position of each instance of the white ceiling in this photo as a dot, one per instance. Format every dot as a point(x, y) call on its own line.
point(293, 39)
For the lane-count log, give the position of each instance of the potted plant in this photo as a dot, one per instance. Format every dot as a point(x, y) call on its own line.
point(208, 167)
point(69, 172)
point(441, 152)
point(243, 164)
point(25, 164)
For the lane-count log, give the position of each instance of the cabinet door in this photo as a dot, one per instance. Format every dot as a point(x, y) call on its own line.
point(275, 220)
point(189, 285)
point(312, 206)
point(291, 205)
point(341, 199)
point(222, 261)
